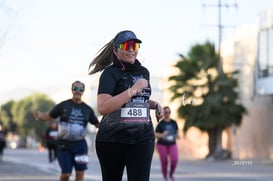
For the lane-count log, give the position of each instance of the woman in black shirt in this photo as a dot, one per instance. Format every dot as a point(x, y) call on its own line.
point(166, 134)
point(126, 135)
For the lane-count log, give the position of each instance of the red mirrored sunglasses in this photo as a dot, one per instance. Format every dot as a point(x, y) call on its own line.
point(126, 45)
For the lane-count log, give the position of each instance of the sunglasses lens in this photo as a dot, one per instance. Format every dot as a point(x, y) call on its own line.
point(126, 45)
point(80, 89)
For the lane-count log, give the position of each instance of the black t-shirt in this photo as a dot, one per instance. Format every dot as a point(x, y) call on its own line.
point(171, 127)
point(132, 122)
point(73, 119)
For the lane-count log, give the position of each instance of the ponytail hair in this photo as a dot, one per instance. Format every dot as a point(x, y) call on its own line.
point(104, 58)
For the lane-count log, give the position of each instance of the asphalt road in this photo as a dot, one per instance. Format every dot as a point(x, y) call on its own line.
point(32, 165)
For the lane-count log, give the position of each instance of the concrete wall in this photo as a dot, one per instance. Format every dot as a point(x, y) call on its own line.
point(253, 139)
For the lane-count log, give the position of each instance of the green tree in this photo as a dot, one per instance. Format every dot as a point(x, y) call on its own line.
point(21, 112)
point(7, 117)
point(209, 97)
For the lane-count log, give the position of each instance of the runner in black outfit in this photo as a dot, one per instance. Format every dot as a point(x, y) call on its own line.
point(126, 134)
point(74, 115)
point(3, 143)
point(51, 143)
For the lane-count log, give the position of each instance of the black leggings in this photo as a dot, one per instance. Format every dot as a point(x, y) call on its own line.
point(52, 153)
point(2, 146)
point(114, 157)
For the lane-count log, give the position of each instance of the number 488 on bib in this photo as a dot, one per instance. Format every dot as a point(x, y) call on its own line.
point(133, 112)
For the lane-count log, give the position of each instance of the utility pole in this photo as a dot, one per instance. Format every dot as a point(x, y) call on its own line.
point(220, 26)
point(220, 67)
point(218, 153)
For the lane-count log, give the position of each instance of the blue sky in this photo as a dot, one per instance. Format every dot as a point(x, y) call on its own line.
point(47, 44)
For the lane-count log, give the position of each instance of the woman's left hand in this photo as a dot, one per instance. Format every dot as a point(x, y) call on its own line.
point(158, 112)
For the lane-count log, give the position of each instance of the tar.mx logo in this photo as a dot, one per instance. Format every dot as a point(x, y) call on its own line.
point(190, 101)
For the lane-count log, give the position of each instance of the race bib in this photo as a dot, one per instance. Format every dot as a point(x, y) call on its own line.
point(53, 133)
point(82, 159)
point(135, 112)
point(170, 138)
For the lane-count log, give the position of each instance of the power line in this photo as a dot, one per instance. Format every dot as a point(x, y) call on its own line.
point(220, 26)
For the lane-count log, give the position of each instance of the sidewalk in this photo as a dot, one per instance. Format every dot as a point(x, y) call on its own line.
point(32, 165)
point(10, 171)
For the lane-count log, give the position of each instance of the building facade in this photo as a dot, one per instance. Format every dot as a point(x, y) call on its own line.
point(252, 55)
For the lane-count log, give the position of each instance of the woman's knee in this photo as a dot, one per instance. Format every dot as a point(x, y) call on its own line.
point(65, 176)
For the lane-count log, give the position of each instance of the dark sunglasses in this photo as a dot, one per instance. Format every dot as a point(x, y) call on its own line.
point(76, 88)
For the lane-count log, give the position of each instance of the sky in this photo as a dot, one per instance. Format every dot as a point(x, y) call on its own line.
point(47, 44)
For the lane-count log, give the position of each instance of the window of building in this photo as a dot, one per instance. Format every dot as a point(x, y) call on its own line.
point(265, 53)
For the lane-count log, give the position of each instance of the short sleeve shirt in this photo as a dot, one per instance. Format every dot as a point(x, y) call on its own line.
point(171, 127)
point(73, 119)
point(132, 122)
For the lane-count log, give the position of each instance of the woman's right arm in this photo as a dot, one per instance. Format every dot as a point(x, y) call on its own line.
point(161, 135)
point(107, 103)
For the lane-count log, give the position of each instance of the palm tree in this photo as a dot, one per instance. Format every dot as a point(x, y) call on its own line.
point(209, 97)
